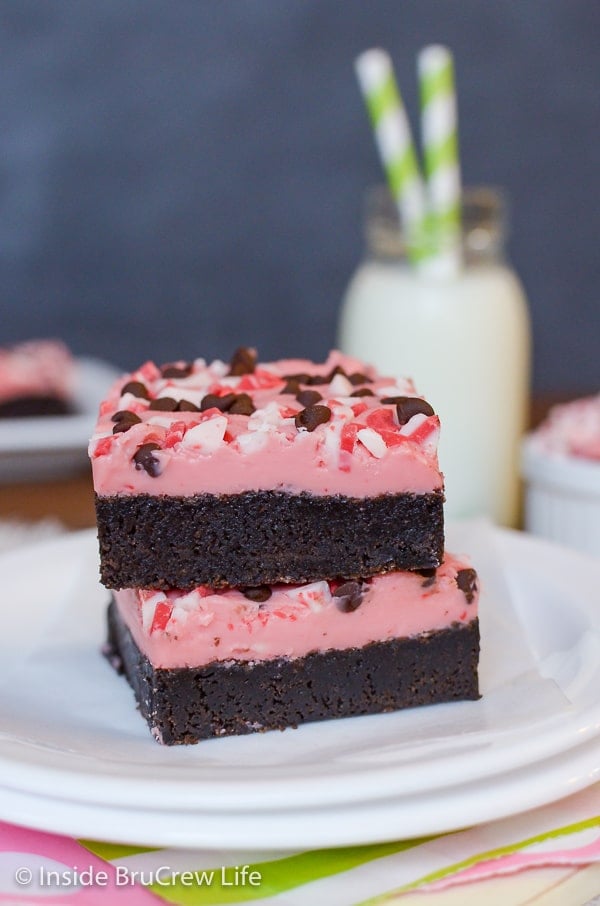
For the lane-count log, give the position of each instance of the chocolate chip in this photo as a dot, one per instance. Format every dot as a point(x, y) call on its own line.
point(243, 361)
point(308, 397)
point(312, 416)
point(176, 371)
point(301, 378)
point(348, 589)
point(136, 388)
point(187, 406)
point(349, 596)
point(163, 404)
point(466, 579)
point(124, 420)
point(358, 378)
point(144, 459)
point(258, 593)
point(213, 401)
point(291, 386)
point(317, 380)
point(407, 406)
point(364, 391)
point(125, 415)
point(242, 405)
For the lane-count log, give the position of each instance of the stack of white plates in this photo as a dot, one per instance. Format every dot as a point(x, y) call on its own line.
point(76, 757)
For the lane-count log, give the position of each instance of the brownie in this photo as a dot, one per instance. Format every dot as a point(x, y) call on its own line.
point(263, 537)
point(241, 480)
point(31, 406)
point(185, 705)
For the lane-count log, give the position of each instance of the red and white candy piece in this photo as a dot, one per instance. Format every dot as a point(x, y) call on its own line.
point(207, 436)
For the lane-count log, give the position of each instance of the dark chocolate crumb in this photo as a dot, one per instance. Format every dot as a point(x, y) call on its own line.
point(317, 380)
point(216, 641)
point(144, 459)
point(176, 371)
point(242, 405)
point(407, 406)
point(136, 388)
point(429, 576)
point(312, 416)
point(212, 401)
point(427, 572)
point(349, 596)
point(124, 420)
point(187, 406)
point(243, 361)
point(163, 404)
point(308, 397)
point(258, 593)
point(358, 378)
point(466, 579)
point(364, 391)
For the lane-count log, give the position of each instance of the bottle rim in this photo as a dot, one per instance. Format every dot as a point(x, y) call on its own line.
point(484, 223)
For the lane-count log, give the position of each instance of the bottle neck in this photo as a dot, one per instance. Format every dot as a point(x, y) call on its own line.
point(483, 226)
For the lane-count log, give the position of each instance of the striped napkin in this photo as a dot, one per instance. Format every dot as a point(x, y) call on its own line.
point(547, 857)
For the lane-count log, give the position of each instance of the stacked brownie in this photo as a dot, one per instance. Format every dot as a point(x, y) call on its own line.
point(273, 535)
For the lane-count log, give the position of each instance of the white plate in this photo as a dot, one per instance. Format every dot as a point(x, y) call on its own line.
point(39, 448)
point(356, 823)
point(73, 744)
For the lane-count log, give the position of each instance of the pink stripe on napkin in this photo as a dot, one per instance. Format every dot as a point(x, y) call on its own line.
point(29, 855)
point(552, 851)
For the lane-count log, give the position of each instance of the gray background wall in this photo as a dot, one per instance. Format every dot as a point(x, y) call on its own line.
point(177, 178)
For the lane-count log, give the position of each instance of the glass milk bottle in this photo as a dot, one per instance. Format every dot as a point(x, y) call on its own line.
point(465, 341)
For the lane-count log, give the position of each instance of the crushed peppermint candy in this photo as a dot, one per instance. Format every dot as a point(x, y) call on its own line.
point(159, 413)
point(163, 611)
point(572, 429)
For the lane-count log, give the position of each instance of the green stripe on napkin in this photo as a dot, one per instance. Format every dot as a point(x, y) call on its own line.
point(115, 851)
point(277, 876)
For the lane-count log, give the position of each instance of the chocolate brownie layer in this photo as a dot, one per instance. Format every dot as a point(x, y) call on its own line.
point(30, 406)
point(263, 537)
point(185, 705)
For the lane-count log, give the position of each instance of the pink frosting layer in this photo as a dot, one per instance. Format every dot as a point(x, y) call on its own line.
point(179, 629)
point(362, 450)
point(572, 429)
point(36, 368)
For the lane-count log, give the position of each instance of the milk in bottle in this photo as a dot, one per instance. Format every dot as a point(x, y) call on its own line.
point(465, 341)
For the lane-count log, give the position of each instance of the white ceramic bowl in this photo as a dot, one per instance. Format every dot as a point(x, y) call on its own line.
point(562, 497)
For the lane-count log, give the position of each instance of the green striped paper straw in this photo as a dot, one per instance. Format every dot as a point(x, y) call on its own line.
point(440, 155)
point(395, 144)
